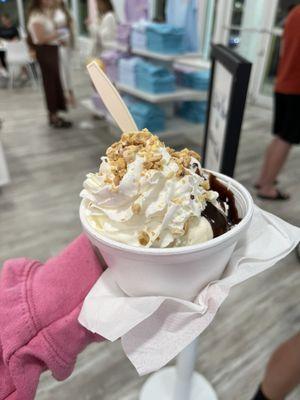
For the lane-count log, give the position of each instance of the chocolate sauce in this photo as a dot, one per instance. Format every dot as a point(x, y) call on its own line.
point(220, 223)
point(217, 220)
point(225, 196)
point(196, 168)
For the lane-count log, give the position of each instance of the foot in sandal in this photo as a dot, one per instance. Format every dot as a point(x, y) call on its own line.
point(59, 123)
point(272, 193)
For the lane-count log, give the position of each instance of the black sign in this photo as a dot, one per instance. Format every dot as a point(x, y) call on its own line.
point(226, 102)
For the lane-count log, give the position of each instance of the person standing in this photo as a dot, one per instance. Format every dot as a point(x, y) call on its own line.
point(104, 31)
point(282, 374)
point(8, 32)
point(64, 24)
point(287, 107)
point(46, 40)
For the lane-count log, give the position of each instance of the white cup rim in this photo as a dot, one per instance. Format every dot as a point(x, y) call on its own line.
point(154, 251)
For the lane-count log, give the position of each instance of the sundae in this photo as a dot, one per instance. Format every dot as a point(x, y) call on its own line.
point(148, 195)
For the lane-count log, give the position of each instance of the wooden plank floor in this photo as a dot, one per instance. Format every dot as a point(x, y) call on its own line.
point(39, 216)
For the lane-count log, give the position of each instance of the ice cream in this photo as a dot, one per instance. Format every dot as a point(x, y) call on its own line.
point(147, 194)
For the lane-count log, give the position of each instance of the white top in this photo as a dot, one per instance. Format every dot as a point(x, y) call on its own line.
point(61, 24)
point(42, 19)
point(60, 18)
point(104, 31)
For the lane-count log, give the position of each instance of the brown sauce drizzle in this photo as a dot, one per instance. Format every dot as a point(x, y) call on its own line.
point(217, 220)
point(219, 223)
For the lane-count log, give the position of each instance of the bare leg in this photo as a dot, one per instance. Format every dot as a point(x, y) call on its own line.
point(283, 371)
point(53, 117)
point(72, 98)
point(275, 157)
point(265, 165)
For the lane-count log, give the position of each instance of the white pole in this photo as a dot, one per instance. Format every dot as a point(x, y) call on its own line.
point(202, 4)
point(75, 11)
point(222, 21)
point(185, 368)
point(21, 14)
point(208, 28)
point(180, 382)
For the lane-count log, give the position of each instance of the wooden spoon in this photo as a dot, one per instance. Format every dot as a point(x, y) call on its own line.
point(111, 98)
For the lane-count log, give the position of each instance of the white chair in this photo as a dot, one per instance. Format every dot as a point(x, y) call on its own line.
point(17, 55)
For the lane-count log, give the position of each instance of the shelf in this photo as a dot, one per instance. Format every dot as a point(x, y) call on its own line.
point(151, 54)
point(174, 126)
point(159, 56)
point(180, 94)
point(193, 62)
point(189, 59)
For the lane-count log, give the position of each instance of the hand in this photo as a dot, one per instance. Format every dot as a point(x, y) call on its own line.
point(62, 42)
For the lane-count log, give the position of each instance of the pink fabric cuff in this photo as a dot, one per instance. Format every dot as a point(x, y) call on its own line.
point(39, 307)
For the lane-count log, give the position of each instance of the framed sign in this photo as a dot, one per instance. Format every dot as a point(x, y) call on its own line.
point(229, 81)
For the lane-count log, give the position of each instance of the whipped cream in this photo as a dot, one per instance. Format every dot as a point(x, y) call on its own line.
point(146, 194)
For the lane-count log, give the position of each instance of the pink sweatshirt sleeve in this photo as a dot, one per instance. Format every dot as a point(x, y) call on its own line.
point(39, 307)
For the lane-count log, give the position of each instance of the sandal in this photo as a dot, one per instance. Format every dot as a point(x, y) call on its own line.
point(257, 186)
point(279, 196)
point(60, 123)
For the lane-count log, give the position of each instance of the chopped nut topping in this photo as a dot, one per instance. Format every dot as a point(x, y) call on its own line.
point(205, 185)
point(129, 156)
point(148, 165)
point(136, 208)
point(156, 157)
point(116, 180)
point(177, 200)
point(192, 153)
point(143, 238)
point(177, 231)
point(170, 150)
point(182, 157)
point(201, 198)
point(121, 163)
point(147, 146)
point(180, 172)
point(186, 226)
point(158, 165)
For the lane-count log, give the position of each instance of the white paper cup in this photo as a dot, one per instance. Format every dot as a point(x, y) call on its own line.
point(176, 272)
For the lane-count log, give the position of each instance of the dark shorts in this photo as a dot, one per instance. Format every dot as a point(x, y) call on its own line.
point(287, 117)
